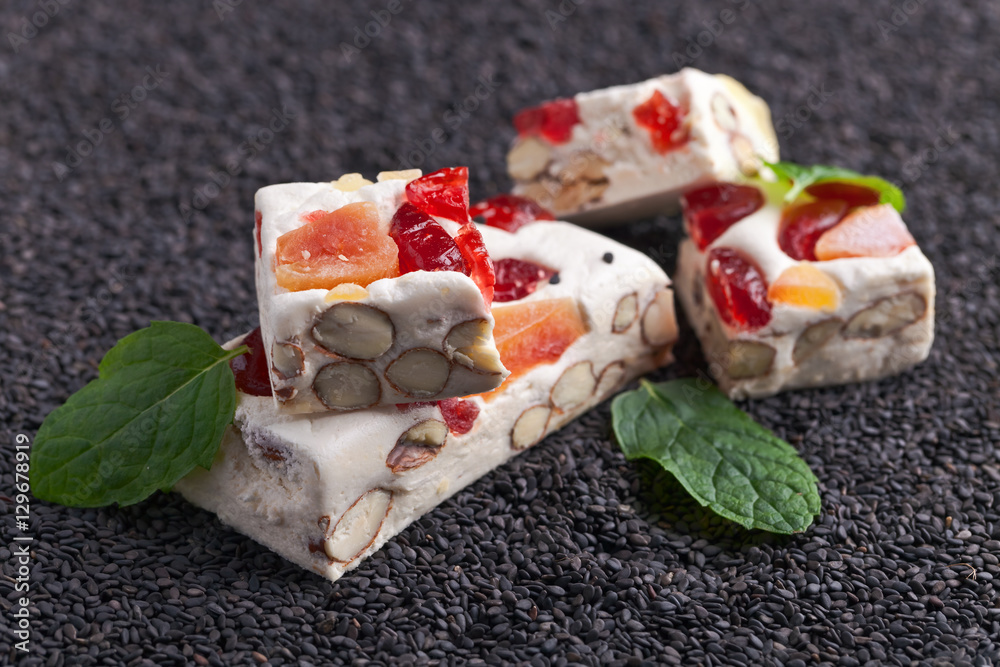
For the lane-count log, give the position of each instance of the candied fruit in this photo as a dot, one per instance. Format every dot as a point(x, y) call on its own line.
point(805, 286)
point(738, 289)
point(662, 120)
point(444, 193)
point(477, 259)
point(334, 247)
point(250, 368)
point(553, 121)
point(873, 231)
point(712, 209)
point(510, 212)
point(803, 224)
point(423, 244)
point(258, 219)
point(535, 332)
point(516, 279)
point(852, 194)
point(458, 414)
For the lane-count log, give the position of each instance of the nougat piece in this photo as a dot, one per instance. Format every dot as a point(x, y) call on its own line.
point(326, 490)
point(374, 293)
point(827, 289)
point(626, 152)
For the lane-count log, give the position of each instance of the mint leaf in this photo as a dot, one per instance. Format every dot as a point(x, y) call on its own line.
point(802, 177)
point(723, 458)
point(158, 409)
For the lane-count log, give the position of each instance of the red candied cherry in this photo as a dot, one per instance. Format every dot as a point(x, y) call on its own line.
point(854, 195)
point(423, 244)
point(459, 415)
point(509, 212)
point(553, 120)
point(477, 259)
point(803, 224)
point(444, 193)
point(250, 368)
point(738, 289)
point(517, 279)
point(712, 209)
point(258, 218)
point(661, 119)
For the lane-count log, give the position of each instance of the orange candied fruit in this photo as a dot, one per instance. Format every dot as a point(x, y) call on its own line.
point(334, 247)
point(536, 332)
point(805, 286)
point(871, 231)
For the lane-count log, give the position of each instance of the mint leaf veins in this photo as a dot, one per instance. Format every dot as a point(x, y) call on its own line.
point(159, 407)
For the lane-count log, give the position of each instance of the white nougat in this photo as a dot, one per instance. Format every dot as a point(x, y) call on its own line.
point(882, 324)
point(355, 347)
point(609, 171)
point(326, 490)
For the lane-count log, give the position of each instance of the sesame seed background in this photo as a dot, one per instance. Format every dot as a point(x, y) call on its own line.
point(568, 555)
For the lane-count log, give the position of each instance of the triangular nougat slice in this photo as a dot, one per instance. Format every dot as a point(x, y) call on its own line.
point(326, 490)
point(626, 152)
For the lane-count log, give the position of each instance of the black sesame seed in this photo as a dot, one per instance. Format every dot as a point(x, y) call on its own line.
point(608, 257)
point(554, 280)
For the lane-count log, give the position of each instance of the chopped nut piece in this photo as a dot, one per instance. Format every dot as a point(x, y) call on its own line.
point(724, 114)
point(403, 175)
point(417, 446)
point(419, 373)
point(358, 527)
point(611, 378)
point(659, 326)
point(287, 360)
point(748, 359)
point(584, 165)
point(530, 426)
point(577, 193)
point(625, 313)
point(528, 159)
point(814, 337)
point(886, 316)
point(346, 292)
point(351, 182)
point(347, 386)
point(744, 154)
point(468, 344)
point(354, 330)
point(574, 386)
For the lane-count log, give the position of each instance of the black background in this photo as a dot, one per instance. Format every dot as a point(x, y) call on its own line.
point(568, 554)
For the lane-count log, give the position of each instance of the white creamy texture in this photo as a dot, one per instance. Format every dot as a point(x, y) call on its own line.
point(641, 181)
point(291, 481)
point(422, 306)
point(862, 282)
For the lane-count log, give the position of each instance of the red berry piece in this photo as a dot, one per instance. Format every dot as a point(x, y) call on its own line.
point(662, 120)
point(459, 415)
point(477, 259)
point(803, 224)
point(553, 120)
point(443, 193)
point(854, 195)
point(738, 289)
point(509, 212)
point(712, 209)
point(250, 368)
point(423, 244)
point(258, 218)
point(517, 279)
